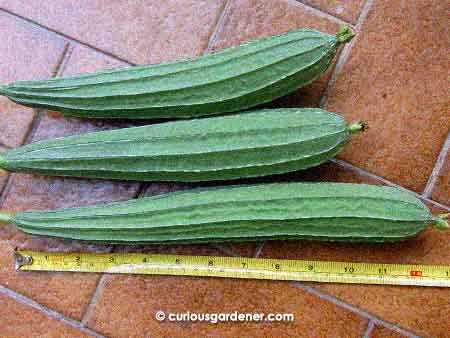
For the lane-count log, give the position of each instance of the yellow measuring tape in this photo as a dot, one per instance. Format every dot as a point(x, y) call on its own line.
point(235, 267)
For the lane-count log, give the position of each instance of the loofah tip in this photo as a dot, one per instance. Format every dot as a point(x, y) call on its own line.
point(5, 218)
point(357, 127)
point(441, 221)
point(345, 34)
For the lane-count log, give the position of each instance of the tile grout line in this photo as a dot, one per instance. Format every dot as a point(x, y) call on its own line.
point(437, 168)
point(4, 190)
point(369, 329)
point(60, 66)
point(219, 27)
point(48, 311)
point(372, 319)
point(345, 53)
point(331, 299)
point(65, 59)
point(36, 119)
point(354, 309)
point(99, 287)
point(259, 249)
point(67, 38)
point(363, 14)
point(323, 11)
point(436, 204)
point(337, 70)
point(62, 63)
point(68, 50)
point(4, 145)
point(340, 64)
point(217, 30)
point(226, 249)
point(334, 300)
point(367, 174)
point(320, 13)
point(90, 307)
point(38, 116)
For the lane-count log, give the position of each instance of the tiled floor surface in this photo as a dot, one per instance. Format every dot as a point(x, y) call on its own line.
point(394, 75)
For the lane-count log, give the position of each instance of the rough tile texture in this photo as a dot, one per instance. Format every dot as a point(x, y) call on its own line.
point(146, 34)
point(441, 191)
point(69, 294)
point(396, 79)
point(250, 19)
point(115, 315)
point(20, 320)
point(382, 332)
point(25, 53)
point(327, 172)
point(248, 249)
point(345, 10)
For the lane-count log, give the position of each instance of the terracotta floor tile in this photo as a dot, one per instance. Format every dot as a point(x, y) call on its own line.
point(65, 292)
point(441, 191)
point(327, 172)
point(251, 19)
point(158, 31)
point(346, 10)
point(244, 249)
point(25, 53)
point(20, 320)
point(400, 305)
point(85, 60)
point(38, 192)
point(115, 315)
point(396, 79)
point(382, 332)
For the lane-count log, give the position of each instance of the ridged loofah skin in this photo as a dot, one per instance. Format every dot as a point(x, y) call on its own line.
point(219, 148)
point(229, 80)
point(316, 211)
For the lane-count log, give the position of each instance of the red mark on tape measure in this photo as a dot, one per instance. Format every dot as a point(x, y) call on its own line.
point(415, 273)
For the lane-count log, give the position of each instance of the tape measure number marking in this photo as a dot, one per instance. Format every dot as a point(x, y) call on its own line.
point(235, 267)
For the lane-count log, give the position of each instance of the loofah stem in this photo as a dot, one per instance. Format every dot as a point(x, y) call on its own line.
point(357, 127)
point(441, 221)
point(345, 34)
point(5, 218)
